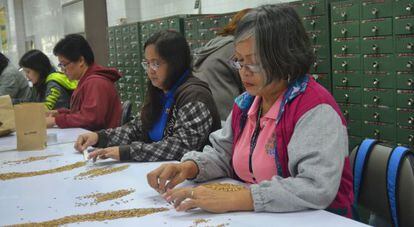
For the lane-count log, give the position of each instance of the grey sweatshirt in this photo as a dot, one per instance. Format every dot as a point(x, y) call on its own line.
point(211, 65)
point(13, 83)
point(316, 151)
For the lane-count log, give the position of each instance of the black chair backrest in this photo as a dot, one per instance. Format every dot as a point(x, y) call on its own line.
point(126, 112)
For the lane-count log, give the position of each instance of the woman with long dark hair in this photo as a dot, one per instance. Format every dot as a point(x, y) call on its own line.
point(178, 113)
point(52, 87)
point(12, 82)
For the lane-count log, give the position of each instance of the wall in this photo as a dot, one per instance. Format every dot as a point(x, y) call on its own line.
point(139, 10)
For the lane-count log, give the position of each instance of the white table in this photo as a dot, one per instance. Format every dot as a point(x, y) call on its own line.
point(53, 196)
point(67, 135)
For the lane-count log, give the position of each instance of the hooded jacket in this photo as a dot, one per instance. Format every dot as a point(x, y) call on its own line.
point(211, 65)
point(58, 91)
point(95, 103)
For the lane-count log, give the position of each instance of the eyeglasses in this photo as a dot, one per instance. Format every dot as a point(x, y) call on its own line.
point(63, 66)
point(236, 64)
point(154, 65)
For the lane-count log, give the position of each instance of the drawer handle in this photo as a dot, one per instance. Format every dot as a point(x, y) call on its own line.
point(346, 113)
point(411, 138)
point(375, 81)
point(201, 23)
point(410, 82)
point(411, 120)
point(374, 29)
point(344, 31)
point(375, 47)
point(376, 132)
point(346, 96)
point(410, 102)
point(408, 27)
point(410, 46)
point(374, 11)
point(376, 99)
point(409, 64)
point(315, 65)
point(315, 50)
point(376, 116)
point(313, 23)
point(314, 36)
point(343, 14)
point(344, 48)
point(344, 64)
point(345, 80)
point(215, 21)
point(409, 7)
point(202, 34)
point(312, 8)
point(172, 22)
point(189, 24)
point(161, 23)
point(375, 64)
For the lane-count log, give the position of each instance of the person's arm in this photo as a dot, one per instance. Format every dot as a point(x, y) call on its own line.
point(125, 134)
point(193, 123)
point(52, 94)
point(94, 109)
point(215, 160)
point(317, 152)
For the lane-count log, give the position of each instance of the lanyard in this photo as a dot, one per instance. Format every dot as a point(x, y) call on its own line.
point(253, 141)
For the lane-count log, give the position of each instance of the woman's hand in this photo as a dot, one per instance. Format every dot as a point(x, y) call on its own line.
point(167, 176)
point(86, 140)
point(210, 200)
point(109, 152)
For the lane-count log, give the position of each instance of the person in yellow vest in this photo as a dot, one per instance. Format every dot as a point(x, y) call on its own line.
point(50, 86)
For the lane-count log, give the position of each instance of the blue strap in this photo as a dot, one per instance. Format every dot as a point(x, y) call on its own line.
point(392, 179)
point(360, 161)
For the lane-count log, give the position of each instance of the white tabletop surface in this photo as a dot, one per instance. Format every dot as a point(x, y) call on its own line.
point(42, 198)
point(55, 136)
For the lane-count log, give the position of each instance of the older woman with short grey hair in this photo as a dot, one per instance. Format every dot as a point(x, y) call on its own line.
point(286, 137)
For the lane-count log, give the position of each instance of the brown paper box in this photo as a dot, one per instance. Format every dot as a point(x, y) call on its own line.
point(30, 126)
point(6, 115)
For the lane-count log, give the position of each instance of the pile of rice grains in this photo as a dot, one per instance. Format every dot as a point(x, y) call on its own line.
point(99, 172)
point(225, 187)
point(97, 216)
point(102, 197)
point(30, 159)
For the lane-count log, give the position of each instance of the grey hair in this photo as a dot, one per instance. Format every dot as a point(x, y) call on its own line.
point(282, 46)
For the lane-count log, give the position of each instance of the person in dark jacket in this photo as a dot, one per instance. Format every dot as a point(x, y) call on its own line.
point(12, 82)
point(95, 104)
point(52, 87)
point(211, 65)
point(178, 113)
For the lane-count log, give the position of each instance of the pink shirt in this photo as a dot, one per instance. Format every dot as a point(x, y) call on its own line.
point(263, 161)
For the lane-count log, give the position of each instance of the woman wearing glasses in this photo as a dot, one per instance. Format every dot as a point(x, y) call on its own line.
point(52, 87)
point(178, 113)
point(285, 137)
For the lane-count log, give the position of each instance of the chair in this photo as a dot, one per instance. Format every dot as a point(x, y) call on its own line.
point(373, 189)
point(126, 112)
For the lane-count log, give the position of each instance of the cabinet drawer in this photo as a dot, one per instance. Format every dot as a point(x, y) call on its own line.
point(404, 25)
point(376, 8)
point(354, 128)
point(405, 136)
point(351, 111)
point(385, 80)
point(403, 8)
point(405, 99)
point(380, 132)
point(312, 8)
point(346, 62)
point(376, 27)
point(379, 97)
point(404, 43)
point(378, 63)
point(376, 45)
point(405, 118)
point(319, 37)
point(321, 51)
point(348, 95)
point(405, 81)
point(345, 11)
point(375, 114)
point(404, 63)
point(347, 79)
point(353, 141)
point(345, 29)
point(324, 79)
point(346, 45)
point(312, 23)
point(321, 66)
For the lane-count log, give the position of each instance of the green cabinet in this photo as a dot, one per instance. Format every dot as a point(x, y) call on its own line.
point(349, 95)
point(377, 45)
point(403, 25)
point(345, 29)
point(376, 27)
point(347, 79)
point(346, 45)
point(404, 44)
point(379, 80)
point(379, 97)
point(403, 8)
point(378, 63)
point(346, 62)
point(379, 114)
point(376, 9)
point(345, 11)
